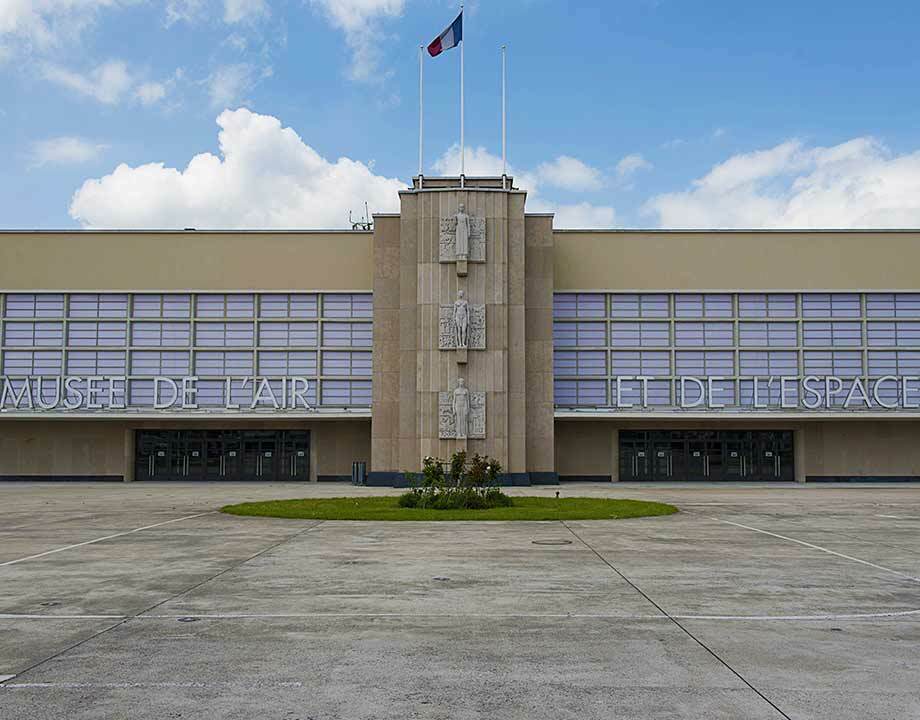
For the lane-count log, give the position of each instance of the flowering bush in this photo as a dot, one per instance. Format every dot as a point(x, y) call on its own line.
point(472, 486)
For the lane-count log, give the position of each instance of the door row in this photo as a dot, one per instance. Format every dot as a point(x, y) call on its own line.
point(669, 455)
point(222, 455)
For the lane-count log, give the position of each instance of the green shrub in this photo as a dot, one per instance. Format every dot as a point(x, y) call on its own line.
point(472, 486)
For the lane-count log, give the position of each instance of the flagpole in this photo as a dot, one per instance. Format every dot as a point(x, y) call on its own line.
point(504, 123)
point(421, 116)
point(462, 143)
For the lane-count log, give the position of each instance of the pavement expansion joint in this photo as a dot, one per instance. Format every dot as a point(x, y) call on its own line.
point(677, 622)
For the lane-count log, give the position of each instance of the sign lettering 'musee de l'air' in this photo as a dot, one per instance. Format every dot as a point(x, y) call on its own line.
point(109, 392)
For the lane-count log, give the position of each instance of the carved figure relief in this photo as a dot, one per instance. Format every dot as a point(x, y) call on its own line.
point(462, 325)
point(463, 237)
point(462, 234)
point(461, 413)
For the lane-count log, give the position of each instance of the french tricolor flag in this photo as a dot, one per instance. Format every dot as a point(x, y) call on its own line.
point(451, 37)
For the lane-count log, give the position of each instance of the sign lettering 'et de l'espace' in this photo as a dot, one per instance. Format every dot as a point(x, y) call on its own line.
point(773, 393)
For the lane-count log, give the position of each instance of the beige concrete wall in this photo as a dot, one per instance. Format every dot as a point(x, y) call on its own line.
point(101, 447)
point(583, 447)
point(486, 284)
point(38, 447)
point(410, 286)
point(538, 342)
point(389, 425)
point(695, 261)
point(338, 444)
point(863, 448)
point(129, 260)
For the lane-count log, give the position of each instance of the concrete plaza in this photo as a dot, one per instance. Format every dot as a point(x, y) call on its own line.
point(756, 601)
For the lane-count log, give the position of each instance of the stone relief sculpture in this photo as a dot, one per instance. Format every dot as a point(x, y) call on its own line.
point(462, 234)
point(461, 408)
point(462, 326)
point(463, 237)
point(461, 413)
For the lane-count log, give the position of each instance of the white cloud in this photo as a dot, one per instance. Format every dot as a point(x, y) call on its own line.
point(631, 164)
point(242, 10)
point(150, 93)
point(858, 183)
point(106, 83)
point(265, 177)
point(44, 24)
point(183, 10)
point(110, 83)
point(359, 20)
point(64, 151)
point(479, 161)
point(229, 83)
point(570, 173)
point(581, 215)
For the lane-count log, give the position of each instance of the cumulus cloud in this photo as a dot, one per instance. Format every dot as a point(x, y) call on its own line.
point(359, 20)
point(479, 161)
point(64, 151)
point(856, 184)
point(570, 173)
point(265, 177)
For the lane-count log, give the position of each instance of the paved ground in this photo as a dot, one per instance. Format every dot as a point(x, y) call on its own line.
point(138, 601)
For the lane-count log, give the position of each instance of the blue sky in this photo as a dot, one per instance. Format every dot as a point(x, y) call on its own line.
point(631, 113)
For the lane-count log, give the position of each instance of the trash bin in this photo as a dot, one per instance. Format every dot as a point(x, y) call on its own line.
point(359, 473)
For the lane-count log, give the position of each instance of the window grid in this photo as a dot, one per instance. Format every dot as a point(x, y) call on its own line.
point(882, 326)
point(352, 312)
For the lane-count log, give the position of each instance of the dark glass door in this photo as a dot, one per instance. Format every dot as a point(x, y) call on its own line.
point(295, 459)
point(222, 455)
point(634, 456)
point(697, 460)
point(232, 453)
point(715, 461)
point(736, 454)
point(706, 455)
point(152, 456)
point(773, 456)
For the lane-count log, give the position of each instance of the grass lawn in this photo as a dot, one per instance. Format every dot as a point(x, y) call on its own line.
point(386, 508)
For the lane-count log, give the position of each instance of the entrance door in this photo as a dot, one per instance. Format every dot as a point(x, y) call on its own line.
point(188, 457)
point(260, 455)
point(773, 456)
point(706, 455)
point(736, 456)
point(222, 455)
point(634, 456)
point(295, 458)
point(668, 462)
point(697, 457)
point(152, 456)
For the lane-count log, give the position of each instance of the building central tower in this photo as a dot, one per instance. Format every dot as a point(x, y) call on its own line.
point(463, 294)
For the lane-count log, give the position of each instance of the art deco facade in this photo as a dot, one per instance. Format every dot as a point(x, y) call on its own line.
point(602, 355)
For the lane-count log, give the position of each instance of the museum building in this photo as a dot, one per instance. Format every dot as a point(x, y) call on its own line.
point(462, 322)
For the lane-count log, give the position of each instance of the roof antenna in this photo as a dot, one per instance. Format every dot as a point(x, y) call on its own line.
point(365, 224)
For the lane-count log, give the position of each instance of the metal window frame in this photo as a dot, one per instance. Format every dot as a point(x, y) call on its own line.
point(737, 378)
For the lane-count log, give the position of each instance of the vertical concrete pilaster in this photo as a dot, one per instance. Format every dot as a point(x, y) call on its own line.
point(798, 446)
point(615, 455)
point(128, 470)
